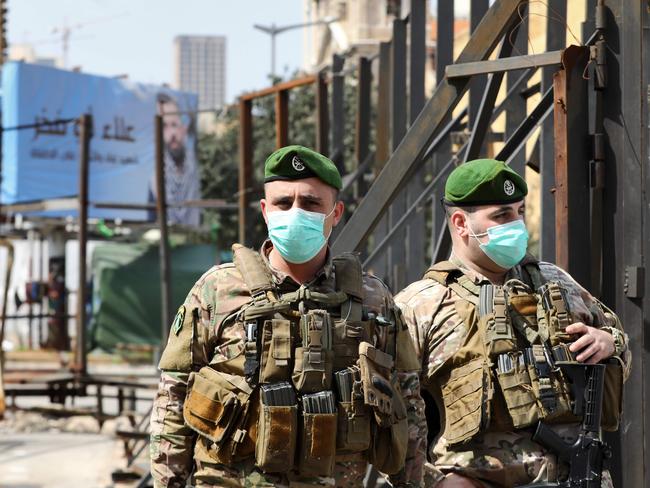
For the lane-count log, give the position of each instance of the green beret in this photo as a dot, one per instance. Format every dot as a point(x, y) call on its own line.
point(484, 182)
point(297, 162)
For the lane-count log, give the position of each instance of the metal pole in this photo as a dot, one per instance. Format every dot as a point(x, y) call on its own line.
point(281, 118)
point(273, 33)
point(399, 120)
point(161, 205)
point(245, 164)
point(338, 112)
point(86, 128)
point(322, 115)
point(555, 39)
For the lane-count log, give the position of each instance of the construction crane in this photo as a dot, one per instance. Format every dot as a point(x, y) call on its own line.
point(65, 30)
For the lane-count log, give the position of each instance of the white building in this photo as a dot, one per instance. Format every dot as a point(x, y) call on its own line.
point(26, 52)
point(200, 67)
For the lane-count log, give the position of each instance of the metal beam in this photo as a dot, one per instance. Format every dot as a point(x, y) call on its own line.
point(477, 10)
point(362, 132)
point(572, 244)
point(245, 181)
point(322, 115)
point(444, 57)
point(383, 106)
point(382, 141)
point(415, 240)
point(555, 39)
point(287, 85)
point(408, 154)
point(398, 101)
point(626, 233)
point(553, 58)
point(516, 111)
point(281, 118)
point(417, 57)
point(85, 133)
point(338, 112)
point(164, 256)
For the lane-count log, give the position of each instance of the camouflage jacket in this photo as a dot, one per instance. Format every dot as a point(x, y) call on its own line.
point(176, 452)
point(495, 458)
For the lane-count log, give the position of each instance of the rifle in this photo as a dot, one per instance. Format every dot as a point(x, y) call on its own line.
point(587, 455)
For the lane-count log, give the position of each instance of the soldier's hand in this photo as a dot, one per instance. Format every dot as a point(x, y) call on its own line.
point(453, 480)
point(594, 344)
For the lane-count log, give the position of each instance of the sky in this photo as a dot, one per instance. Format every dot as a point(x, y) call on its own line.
point(135, 37)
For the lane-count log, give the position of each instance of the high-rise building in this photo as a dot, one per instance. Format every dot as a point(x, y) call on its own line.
point(200, 67)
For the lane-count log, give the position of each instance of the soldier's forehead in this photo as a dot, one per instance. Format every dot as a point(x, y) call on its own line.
point(297, 187)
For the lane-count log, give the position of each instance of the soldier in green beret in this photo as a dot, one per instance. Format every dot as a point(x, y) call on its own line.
point(289, 366)
point(489, 325)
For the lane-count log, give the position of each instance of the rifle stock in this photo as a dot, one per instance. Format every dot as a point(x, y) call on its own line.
point(587, 454)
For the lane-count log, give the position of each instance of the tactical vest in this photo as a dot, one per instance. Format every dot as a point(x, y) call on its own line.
point(505, 374)
point(310, 383)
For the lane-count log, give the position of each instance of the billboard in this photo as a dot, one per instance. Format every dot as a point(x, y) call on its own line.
point(42, 162)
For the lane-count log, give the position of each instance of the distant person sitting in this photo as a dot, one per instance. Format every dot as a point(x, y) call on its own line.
point(181, 173)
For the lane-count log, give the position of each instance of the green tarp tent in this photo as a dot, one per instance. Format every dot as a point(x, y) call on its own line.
point(126, 290)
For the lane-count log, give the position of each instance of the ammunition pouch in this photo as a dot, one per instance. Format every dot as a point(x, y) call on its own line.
point(554, 312)
point(219, 406)
point(495, 321)
point(353, 430)
point(276, 356)
point(312, 370)
point(317, 444)
point(276, 441)
point(517, 391)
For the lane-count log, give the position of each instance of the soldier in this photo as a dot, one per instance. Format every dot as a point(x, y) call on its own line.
point(289, 367)
point(490, 326)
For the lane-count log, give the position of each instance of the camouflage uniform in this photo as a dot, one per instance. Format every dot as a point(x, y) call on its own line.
point(496, 458)
point(177, 451)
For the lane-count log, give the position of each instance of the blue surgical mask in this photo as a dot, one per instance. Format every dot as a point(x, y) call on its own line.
point(507, 243)
point(298, 235)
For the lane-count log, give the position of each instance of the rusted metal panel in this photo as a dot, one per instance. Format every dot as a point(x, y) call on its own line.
point(571, 165)
point(245, 164)
point(555, 39)
point(407, 156)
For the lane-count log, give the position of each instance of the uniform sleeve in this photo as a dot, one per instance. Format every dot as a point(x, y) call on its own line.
point(408, 376)
point(432, 320)
point(588, 309)
point(416, 451)
point(171, 441)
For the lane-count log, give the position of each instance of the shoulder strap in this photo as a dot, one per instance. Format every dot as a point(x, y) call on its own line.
point(253, 269)
point(448, 274)
point(348, 274)
point(442, 272)
point(531, 274)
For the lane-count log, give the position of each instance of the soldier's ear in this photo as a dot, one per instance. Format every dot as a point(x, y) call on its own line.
point(263, 208)
point(458, 221)
point(339, 207)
